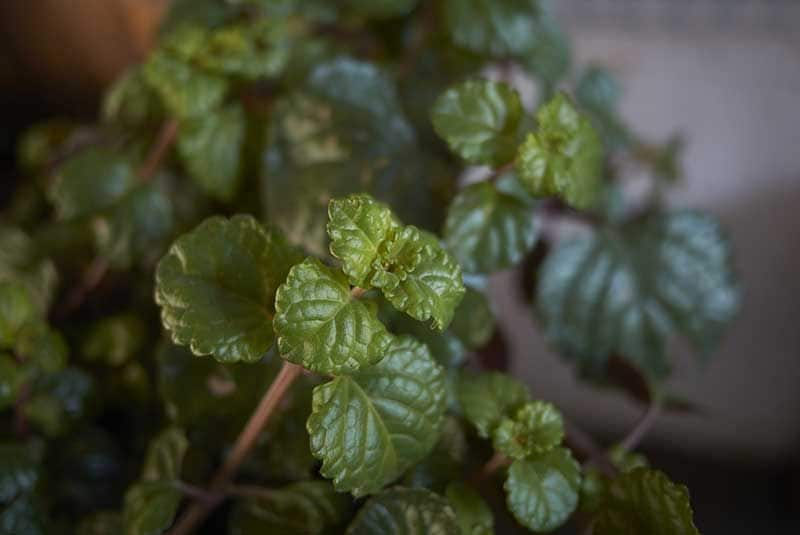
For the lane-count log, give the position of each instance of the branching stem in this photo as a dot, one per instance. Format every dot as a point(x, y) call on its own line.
point(642, 427)
point(199, 510)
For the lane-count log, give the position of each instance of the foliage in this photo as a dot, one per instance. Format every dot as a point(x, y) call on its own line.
point(271, 208)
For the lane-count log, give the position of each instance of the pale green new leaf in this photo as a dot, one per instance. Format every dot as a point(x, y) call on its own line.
point(645, 501)
point(165, 456)
point(150, 508)
point(306, 507)
point(401, 511)
point(536, 427)
point(497, 28)
point(542, 492)
point(472, 513)
point(479, 120)
point(320, 326)
point(91, 181)
point(216, 287)
point(628, 291)
point(370, 427)
point(564, 157)
point(487, 398)
point(210, 147)
point(490, 227)
point(419, 277)
point(357, 226)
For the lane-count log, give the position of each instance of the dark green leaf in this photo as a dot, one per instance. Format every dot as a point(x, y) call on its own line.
point(497, 28)
point(114, 340)
point(480, 121)
point(217, 284)
point(131, 101)
point(537, 427)
point(490, 227)
point(487, 398)
point(381, 9)
point(165, 456)
point(16, 309)
point(19, 469)
point(473, 514)
point(400, 511)
point(150, 508)
point(20, 262)
point(445, 462)
point(60, 400)
point(12, 377)
point(626, 292)
point(542, 492)
point(550, 59)
point(645, 501)
point(37, 144)
point(321, 326)
point(473, 322)
point(185, 90)
point(24, 516)
point(42, 347)
point(564, 157)
point(210, 146)
point(102, 523)
point(598, 92)
point(369, 428)
point(307, 508)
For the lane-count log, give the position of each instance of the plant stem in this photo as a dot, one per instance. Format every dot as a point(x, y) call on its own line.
point(500, 171)
point(582, 442)
point(497, 462)
point(90, 279)
point(639, 431)
point(198, 511)
point(357, 292)
point(166, 137)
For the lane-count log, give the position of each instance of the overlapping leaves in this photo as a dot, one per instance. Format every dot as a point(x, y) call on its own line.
point(401, 511)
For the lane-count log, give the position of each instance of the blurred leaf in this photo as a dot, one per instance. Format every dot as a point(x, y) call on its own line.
point(480, 121)
point(130, 101)
point(473, 322)
point(91, 181)
point(536, 427)
point(150, 508)
point(165, 456)
point(400, 511)
point(487, 398)
point(21, 262)
point(307, 508)
point(38, 143)
point(473, 514)
point(542, 492)
point(19, 469)
point(497, 28)
point(398, 404)
point(381, 9)
point(564, 157)
point(60, 400)
point(490, 227)
point(217, 284)
point(114, 340)
point(645, 501)
point(12, 377)
point(42, 347)
point(102, 523)
point(445, 462)
point(598, 92)
point(23, 516)
point(210, 146)
point(16, 309)
point(551, 57)
point(670, 273)
point(321, 327)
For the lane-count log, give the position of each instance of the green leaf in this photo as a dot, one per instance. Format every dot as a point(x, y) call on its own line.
point(12, 377)
point(357, 226)
point(564, 157)
point(24, 516)
point(91, 181)
point(307, 507)
point(137, 227)
point(42, 347)
point(16, 309)
point(480, 121)
point(381, 9)
point(487, 398)
point(444, 463)
point(210, 146)
point(537, 427)
point(21, 262)
point(150, 508)
point(550, 58)
point(598, 92)
point(130, 101)
point(490, 227)
point(251, 51)
point(19, 469)
point(542, 492)
point(445, 347)
point(369, 428)
point(37, 143)
point(646, 501)
point(497, 28)
point(217, 284)
point(185, 90)
point(473, 322)
point(165, 456)
point(628, 291)
point(473, 514)
point(321, 327)
point(60, 400)
point(626, 461)
point(114, 340)
point(401, 511)
point(419, 277)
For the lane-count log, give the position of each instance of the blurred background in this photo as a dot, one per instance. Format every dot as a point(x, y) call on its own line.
point(726, 73)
